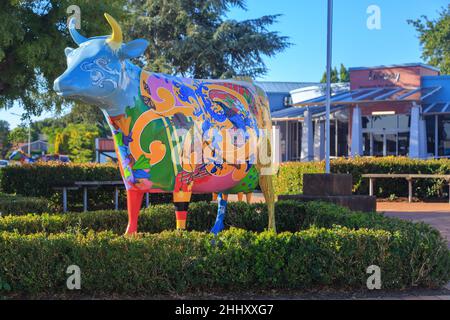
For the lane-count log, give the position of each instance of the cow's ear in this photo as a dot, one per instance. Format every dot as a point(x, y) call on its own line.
point(68, 50)
point(133, 49)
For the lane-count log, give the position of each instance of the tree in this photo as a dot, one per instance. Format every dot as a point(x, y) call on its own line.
point(334, 76)
point(344, 75)
point(18, 135)
point(434, 37)
point(194, 38)
point(33, 36)
point(76, 140)
point(4, 138)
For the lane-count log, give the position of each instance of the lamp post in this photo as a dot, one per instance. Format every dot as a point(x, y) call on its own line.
point(328, 89)
point(29, 132)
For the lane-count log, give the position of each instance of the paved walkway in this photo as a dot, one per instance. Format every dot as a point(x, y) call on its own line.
point(435, 214)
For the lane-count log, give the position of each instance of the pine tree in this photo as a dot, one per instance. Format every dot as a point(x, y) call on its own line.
point(194, 38)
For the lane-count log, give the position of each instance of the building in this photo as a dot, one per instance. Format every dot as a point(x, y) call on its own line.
point(37, 147)
point(398, 110)
point(104, 150)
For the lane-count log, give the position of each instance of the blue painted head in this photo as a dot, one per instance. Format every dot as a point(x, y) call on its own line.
point(99, 71)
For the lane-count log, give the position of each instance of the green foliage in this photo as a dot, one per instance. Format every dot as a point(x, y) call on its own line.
point(344, 74)
point(315, 253)
point(194, 38)
point(33, 36)
point(4, 138)
point(39, 179)
point(12, 204)
point(434, 38)
point(76, 140)
point(334, 76)
point(289, 178)
point(18, 135)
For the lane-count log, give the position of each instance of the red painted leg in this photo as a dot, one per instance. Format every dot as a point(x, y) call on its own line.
point(134, 203)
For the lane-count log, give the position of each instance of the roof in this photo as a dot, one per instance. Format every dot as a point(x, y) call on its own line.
point(282, 87)
point(374, 95)
point(435, 108)
point(296, 113)
point(418, 64)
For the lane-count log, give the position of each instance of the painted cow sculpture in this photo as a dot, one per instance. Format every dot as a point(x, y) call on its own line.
point(172, 135)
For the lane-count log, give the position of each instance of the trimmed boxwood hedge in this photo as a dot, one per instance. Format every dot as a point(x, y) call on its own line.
point(13, 204)
point(289, 178)
point(324, 245)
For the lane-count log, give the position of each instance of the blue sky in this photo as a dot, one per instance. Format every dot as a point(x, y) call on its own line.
point(304, 22)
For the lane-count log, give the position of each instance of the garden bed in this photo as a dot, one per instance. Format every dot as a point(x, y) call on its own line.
point(319, 246)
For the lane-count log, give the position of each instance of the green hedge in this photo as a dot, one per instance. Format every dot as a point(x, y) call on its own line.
point(313, 252)
point(290, 173)
point(39, 179)
point(12, 204)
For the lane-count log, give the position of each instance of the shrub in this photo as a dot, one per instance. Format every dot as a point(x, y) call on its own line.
point(290, 173)
point(178, 262)
point(289, 179)
point(12, 204)
point(322, 245)
point(40, 179)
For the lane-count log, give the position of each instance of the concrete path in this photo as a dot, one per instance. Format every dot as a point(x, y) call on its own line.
point(434, 214)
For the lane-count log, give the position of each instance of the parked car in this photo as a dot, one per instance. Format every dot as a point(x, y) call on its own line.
point(3, 163)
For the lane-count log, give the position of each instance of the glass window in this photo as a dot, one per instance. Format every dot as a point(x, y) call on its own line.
point(403, 143)
point(384, 122)
point(404, 121)
point(333, 138)
point(342, 138)
point(366, 144)
point(283, 146)
point(366, 122)
point(444, 135)
point(431, 127)
point(391, 144)
point(378, 145)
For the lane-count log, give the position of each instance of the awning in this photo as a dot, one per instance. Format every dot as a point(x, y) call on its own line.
point(437, 107)
point(297, 113)
point(373, 95)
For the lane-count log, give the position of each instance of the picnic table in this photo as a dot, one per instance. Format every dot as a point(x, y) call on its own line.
point(408, 177)
point(86, 185)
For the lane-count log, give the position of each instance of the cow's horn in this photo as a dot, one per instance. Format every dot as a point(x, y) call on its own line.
point(78, 38)
point(115, 41)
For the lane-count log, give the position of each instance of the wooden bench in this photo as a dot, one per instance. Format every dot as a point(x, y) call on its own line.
point(407, 177)
point(85, 185)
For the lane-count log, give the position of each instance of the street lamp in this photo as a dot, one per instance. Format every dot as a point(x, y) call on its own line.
point(328, 93)
point(29, 132)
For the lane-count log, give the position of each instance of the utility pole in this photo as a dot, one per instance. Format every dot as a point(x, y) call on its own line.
point(328, 93)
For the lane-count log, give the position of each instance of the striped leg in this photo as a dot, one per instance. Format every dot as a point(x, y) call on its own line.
point(221, 211)
point(181, 200)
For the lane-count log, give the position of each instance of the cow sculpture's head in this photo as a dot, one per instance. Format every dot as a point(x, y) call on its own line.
point(99, 71)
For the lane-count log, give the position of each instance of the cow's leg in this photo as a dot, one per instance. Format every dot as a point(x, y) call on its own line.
point(134, 203)
point(248, 196)
point(181, 200)
point(266, 184)
point(240, 196)
point(222, 200)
